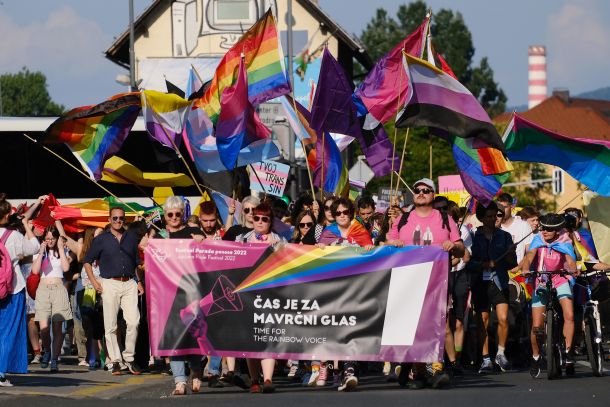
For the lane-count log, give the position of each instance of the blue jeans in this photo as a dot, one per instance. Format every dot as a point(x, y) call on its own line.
point(214, 365)
point(178, 365)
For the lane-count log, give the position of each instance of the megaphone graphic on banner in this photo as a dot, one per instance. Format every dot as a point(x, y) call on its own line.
point(220, 299)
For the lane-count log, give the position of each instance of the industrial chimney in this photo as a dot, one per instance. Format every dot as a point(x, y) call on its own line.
point(536, 75)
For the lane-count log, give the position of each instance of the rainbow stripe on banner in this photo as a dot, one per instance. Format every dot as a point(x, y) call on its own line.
point(95, 133)
point(303, 264)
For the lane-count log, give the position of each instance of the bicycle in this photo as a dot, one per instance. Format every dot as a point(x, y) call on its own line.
point(553, 343)
point(592, 325)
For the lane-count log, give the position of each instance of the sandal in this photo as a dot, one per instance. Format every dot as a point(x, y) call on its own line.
point(195, 385)
point(180, 389)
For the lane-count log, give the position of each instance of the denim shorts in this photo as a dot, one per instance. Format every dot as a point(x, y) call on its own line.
point(563, 291)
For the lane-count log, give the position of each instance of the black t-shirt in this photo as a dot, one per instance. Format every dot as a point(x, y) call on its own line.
point(235, 231)
point(183, 233)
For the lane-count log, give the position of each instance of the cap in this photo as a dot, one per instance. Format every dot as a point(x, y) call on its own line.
point(426, 181)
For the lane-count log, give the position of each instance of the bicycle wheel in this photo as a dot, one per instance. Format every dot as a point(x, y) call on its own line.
point(552, 353)
point(594, 351)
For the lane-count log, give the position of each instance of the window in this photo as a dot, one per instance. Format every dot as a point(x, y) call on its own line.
point(234, 12)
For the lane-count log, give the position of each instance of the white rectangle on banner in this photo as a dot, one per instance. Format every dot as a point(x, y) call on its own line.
point(269, 177)
point(403, 312)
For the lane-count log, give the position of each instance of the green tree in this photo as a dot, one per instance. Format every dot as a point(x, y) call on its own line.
point(452, 39)
point(25, 94)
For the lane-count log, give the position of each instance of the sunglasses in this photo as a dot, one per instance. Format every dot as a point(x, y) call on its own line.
point(247, 210)
point(424, 191)
point(327, 207)
point(264, 219)
point(173, 215)
point(305, 224)
point(346, 212)
point(118, 218)
point(548, 229)
point(499, 215)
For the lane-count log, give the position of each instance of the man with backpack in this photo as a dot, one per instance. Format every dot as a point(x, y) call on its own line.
point(423, 225)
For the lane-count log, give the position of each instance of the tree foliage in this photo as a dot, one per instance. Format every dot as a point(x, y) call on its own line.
point(25, 94)
point(453, 40)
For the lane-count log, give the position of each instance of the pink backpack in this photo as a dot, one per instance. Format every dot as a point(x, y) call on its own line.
point(6, 268)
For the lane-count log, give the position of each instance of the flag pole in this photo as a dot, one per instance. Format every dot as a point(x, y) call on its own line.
point(178, 152)
point(294, 106)
point(322, 175)
point(196, 73)
point(84, 174)
point(404, 182)
point(395, 129)
point(402, 158)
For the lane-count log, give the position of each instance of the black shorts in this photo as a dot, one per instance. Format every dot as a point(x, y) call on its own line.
point(459, 294)
point(486, 294)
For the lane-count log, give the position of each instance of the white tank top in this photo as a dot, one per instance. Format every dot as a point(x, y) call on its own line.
point(50, 266)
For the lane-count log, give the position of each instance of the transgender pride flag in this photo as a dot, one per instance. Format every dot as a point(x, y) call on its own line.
point(238, 124)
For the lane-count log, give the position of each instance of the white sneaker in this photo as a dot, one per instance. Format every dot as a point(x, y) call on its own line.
point(313, 378)
point(4, 382)
point(293, 370)
point(36, 359)
point(82, 363)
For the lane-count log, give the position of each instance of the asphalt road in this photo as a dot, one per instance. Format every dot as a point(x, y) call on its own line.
point(77, 387)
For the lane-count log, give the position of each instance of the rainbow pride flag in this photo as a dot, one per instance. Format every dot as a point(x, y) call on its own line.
point(304, 263)
point(265, 68)
point(95, 133)
point(588, 161)
point(481, 186)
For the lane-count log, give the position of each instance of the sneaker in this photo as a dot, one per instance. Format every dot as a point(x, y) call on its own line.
point(96, 364)
point(234, 379)
point(83, 363)
point(54, 368)
point(255, 388)
point(502, 362)
point(116, 369)
point(293, 370)
point(486, 366)
point(36, 359)
point(456, 368)
point(123, 367)
point(536, 367)
point(44, 361)
point(313, 377)
point(439, 379)
point(349, 382)
point(4, 382)
point(322, 375)
point(214, 382)
point(133, 367)
point(569, 365)
point(415, 384)
point(336, 378)
point(268, 387)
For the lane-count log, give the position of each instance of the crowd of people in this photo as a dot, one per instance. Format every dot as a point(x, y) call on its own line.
point(88, 290)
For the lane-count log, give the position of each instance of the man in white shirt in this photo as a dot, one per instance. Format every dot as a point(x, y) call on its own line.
point(519, 229)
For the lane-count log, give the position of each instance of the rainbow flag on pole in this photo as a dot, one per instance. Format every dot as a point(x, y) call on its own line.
point(265, 68)
point(95, 133)
point(587, 160)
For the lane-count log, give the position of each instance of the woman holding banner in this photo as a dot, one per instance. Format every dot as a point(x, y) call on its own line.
point(262, 216)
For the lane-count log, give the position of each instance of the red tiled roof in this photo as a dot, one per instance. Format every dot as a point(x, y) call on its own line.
point(585, 118)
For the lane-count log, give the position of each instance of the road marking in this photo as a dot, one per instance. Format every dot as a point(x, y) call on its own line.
point(90, 391)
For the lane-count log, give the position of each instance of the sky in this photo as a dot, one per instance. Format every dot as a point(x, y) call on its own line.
point(66, 40)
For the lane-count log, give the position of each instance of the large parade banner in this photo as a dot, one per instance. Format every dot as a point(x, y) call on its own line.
point(299, 302)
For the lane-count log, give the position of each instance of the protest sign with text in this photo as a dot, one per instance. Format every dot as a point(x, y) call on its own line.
point(269, 177)
point(299, 302)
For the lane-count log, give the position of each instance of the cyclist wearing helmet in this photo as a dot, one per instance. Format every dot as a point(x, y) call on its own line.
point(553, 251)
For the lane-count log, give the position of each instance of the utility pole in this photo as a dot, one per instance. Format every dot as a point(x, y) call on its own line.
point(132, 55)
point(291, 135)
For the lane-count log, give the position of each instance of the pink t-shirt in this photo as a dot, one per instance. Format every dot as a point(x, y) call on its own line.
point(551, 260)
point(425, 231)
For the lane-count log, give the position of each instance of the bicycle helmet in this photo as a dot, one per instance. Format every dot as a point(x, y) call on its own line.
point(552, 221)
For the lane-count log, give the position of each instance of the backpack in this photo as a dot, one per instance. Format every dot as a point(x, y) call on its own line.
point(405, 218)
point(6, 267)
